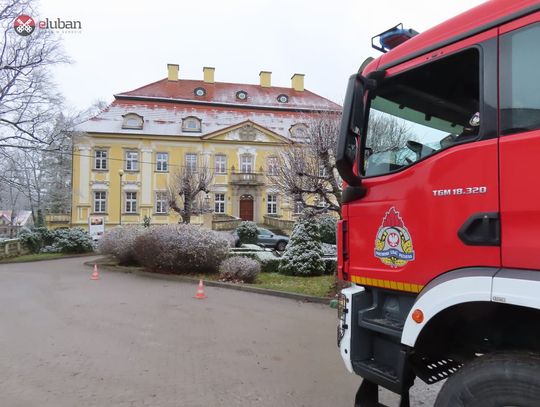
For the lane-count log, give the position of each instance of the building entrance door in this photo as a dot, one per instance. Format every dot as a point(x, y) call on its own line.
point(246, 207)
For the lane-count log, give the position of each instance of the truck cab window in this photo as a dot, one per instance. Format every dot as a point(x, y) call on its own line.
point(520, 87)
point(415, 114)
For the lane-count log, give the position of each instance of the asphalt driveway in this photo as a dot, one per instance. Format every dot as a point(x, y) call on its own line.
point(128, 340)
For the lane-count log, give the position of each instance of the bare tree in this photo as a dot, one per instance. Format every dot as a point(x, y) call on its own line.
point(185, 191)
point(307, 171)
point(28, 97)
point(386, 133)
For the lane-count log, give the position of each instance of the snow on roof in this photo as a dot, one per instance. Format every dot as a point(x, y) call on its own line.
point(225, 93)
point(21, 217)
point(164, 118)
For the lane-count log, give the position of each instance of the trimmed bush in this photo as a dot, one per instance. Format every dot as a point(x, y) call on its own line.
point(37, 238)
point(228, 237)
point(247, 232)
point(42, 240)
point(303, 255)
point(74, 240)
point(270, 265)
point(330, 265)
point(239, 269)
point(181, 249)
point(120, 242)
point(327, 228)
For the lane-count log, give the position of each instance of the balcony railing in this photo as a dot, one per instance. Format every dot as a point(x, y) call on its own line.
point(247, 178)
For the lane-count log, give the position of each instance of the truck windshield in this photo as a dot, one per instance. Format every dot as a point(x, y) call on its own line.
point(422, 111)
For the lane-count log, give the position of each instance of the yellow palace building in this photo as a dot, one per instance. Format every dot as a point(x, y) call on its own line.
point(125, 157)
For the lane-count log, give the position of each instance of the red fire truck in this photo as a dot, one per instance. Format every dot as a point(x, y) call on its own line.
point(440, 237)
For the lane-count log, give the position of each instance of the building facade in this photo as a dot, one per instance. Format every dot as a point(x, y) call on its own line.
point(126, 157)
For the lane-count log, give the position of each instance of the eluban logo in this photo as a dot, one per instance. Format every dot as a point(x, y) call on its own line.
point(24, 25)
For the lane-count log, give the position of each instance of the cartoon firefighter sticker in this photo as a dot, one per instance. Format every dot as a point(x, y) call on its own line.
point(393, 244)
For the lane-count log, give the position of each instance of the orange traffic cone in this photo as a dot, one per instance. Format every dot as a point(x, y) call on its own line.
point(200, 291)
point(95, 274)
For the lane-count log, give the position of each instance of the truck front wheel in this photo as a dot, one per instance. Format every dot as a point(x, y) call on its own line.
point(494, 380)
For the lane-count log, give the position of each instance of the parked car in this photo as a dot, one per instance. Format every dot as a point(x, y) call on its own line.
point(267, 238)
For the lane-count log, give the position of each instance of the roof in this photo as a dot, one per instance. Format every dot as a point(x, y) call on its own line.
point(473, 21)
point(21, 217)
point(165, 103)
point(162, 118)
point(225, 93)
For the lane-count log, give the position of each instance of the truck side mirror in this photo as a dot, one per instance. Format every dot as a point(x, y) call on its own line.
point(352, 123)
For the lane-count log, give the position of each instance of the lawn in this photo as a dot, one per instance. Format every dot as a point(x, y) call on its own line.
point(319, 286)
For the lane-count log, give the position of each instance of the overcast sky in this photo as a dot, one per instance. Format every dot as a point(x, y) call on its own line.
point(127, 44)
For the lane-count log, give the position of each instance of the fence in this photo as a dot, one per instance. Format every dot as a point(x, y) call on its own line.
point(12, 248)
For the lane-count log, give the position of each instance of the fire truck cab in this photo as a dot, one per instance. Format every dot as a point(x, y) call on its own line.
point(440, 237)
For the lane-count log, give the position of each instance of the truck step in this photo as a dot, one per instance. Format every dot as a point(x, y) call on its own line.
point(383, 325)
point(377, 368)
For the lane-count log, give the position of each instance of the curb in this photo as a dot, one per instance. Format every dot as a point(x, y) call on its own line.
point(210, 283)
point(71, 256)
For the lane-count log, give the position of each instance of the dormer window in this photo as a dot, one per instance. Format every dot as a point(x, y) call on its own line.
point(199, 91)
point(132, 121)
point(299, 131)
point(191, 124)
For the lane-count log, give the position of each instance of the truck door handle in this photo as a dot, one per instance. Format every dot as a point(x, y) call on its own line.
point(481, 229)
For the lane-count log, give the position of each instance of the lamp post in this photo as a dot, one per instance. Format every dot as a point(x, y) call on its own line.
point(121, 174)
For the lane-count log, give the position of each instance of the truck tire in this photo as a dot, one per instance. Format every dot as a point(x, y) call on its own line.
point(509, 379)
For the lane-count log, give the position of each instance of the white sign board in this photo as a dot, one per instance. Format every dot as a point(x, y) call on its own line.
point(96, 226)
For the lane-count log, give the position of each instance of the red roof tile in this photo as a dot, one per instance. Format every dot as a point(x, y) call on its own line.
point(221, 93)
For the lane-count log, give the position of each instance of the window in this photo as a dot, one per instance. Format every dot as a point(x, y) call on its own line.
point(221, 164)
point(299, 131)
point(219, 203)
point(162, 162)
point(419, 112)
point(246, 163)
point(100, 202)
point(100, 162)
point(191, 124)
point(132, 121)
point(322, 170)
point(241, 95)
point(131, 202)
point(161, 202)
point(298, 207)
point(132, 160)
point(520, 88)
point(271, 166)
point(271, 204)
point(191, 162)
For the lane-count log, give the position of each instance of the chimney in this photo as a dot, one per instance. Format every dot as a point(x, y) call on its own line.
point(208, 74)
point(297, 81)
point(265, 78)
point(172, 72)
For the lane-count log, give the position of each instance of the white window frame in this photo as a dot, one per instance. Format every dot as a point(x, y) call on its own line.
point(220, 161)
point(272, 165)
point(322, 171)
point(246, 163)
point(100, 204)
point(130, 202)
point(131, 158)
point(271, 204)
point(191, 124)
point(133, 121)
point(160, 206)
point(162, 162)
point(189, 163)
point(101, 158)
point(219, 202)
point(298, 207)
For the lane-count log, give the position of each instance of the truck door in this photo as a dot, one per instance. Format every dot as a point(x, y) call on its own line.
point(520, 142)
point(430, 167)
